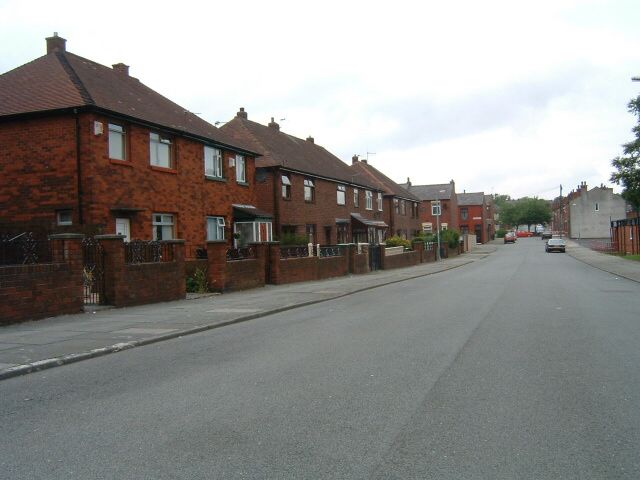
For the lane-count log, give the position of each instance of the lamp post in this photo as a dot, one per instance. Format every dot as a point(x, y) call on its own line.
point(438, 209)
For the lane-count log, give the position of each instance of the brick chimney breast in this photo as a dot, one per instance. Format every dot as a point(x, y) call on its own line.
point(121, 68)
point(56, 44)
point(273, 124)
point(354, 159)
point(310, 139)
point(242, 113)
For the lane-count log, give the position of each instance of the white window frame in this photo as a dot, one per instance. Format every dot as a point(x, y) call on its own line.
point(427, 227)
point(356, 197)
point(309, 190)
point(117, 142)
point(436, 208)
point(241, 169)
point(379, 201)
point(286, 186)
point(341, 194)
point(255, 228)
point(215, 228)
point(212, 162)
point(159, 222)
point(368, 195)
point(157, 145)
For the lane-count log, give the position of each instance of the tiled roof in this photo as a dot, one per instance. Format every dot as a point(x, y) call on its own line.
point(431, 192)
point(388, 186)
point(280, 149)
point(473, 198)
point(62, 80)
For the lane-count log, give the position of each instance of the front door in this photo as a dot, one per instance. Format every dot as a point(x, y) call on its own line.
point(123, 227)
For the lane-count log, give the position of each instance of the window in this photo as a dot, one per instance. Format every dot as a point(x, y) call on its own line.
point(403, 207)
point(250, 232)
point(212, 162)
point(597, 207)
point(368, 195)
point(309, 190)
point(414, 210)
point(311, 232)
point(215, 228)
point(342, 232)
point(464, 213)
point(286, 187)
point(379, 201)
point(117, 142)
point(435, 208)
point(162, 226)
point(444, 226)
point(396, 206)
point(64, 217)
point(356, 198)
point(342, 195)
point(160, 150)
point(241, 169)
point(427, 227)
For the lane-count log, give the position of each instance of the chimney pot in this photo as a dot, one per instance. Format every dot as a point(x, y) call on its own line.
point(121, 68)
point(354, 159)
point(364, 160)
point(310, 139)
point(56, 44)
point(242, 113)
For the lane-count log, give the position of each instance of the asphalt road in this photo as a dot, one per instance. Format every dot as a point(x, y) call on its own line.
point(522, 365)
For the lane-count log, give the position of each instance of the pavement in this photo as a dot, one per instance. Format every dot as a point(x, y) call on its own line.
point(33, 346)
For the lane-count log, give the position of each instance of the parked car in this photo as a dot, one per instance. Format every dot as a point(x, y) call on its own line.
point(555, 245)
point(509, 237)
point(523, 233)
point(546, 235)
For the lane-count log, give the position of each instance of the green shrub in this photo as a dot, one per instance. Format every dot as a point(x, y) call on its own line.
point(501, 233)
point(396, 241)
point(450, 237)
point(198, 282)
point(293, 239)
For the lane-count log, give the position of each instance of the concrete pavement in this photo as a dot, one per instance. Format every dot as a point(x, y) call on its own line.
point(33, 346)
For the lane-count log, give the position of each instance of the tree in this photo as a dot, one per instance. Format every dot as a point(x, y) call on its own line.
point(627, 166)
point(526, 211)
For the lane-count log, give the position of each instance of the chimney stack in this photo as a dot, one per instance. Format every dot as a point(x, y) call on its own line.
point(242, 113)
point(273, 124)
point(56, 44)
point(408, 182)
point(121, 68)
point(310, 139)
point(354, 159)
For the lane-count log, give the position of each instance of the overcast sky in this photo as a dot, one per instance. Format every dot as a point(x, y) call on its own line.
point(508, 97)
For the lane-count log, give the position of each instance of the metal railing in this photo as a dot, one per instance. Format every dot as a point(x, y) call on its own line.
point(242, 253)
point(330, 251)
point(24, 249)
point(141, 251)
point(294, 251)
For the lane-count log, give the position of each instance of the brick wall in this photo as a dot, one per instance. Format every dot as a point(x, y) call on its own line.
point(406, 259)
point(475, 222)
point(31, 292)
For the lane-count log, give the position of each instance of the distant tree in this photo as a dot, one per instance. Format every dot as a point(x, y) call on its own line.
point(627, 166)
point(526, 211)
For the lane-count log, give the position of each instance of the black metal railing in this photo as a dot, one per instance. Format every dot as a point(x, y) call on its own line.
point(428, 246)
point(330, 251)
point(242, 253)
point(24, 249)
point(196, 252)
point(294, 251)
point(141, 251)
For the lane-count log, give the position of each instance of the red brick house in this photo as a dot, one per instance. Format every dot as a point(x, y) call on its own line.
point(401, 210)
point(445, 193)
point(91, 148)
point(475, 216)
point(309, 191)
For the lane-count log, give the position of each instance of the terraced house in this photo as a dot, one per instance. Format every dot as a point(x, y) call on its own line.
point(86, 148)
point(310, 191)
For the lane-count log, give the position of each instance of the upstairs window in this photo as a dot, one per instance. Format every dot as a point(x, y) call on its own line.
point(286, 187)
point(342, 195)
point(241, 169)
point(379, 201)
point(597, 207)
point(435, 208)
point(215, 228)
point(403, 207)
point(117, 142)
point(464, 213)
point(309, 190)
point(212, 162)
point(160, 150)
point(163, 226)
point(368, 195)
point(396, 206)
point(356, 197)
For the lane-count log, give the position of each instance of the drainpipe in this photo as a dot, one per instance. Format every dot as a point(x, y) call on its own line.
point(277, 194)
point(78, 167)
